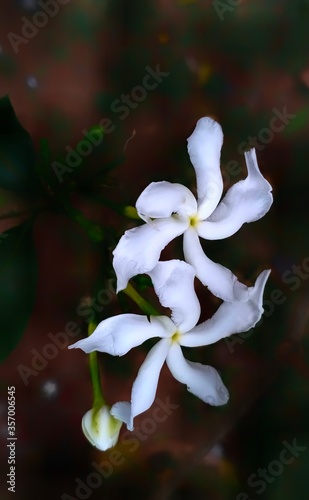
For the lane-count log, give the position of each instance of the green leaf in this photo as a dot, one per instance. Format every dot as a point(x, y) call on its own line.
point(18, 277)
point(17, 155)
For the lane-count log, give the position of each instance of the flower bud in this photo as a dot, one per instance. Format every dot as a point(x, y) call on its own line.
point(101, 428)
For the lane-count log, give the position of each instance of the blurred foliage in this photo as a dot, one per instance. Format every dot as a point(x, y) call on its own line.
point(17, 156)
point(18, 278)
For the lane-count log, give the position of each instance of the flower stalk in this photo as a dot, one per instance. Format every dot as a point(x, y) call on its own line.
point(143, 304)
point(98, 425)
point(98, 399)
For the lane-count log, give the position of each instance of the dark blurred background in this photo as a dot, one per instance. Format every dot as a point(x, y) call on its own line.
point(245, 63)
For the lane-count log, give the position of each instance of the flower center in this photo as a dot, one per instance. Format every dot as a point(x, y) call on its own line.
point(175, 337)
point(194, 220)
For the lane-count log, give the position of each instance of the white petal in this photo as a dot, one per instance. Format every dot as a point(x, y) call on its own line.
point(118, 334)
point(139, 249)
point(101, 428)
point(204, 148)
point(246, 201)
point(230, 318)
point(145, 385)
point(219, 280)
point(122, 411)
point(162, 199)
point(201, 380)
point(173, 282)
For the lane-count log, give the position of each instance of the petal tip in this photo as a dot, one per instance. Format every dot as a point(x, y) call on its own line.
point(74, 346)
point(253, 168)
point(122, 411)
point(257, 291)
point(206, 125)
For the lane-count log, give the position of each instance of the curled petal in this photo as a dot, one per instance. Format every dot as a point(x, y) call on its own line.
point(145, 385)
point(118, 334)
point(173, 282)
point(230, 318)
point(122, 411)
point(219, 280)
point(246, 201)
point(162, 199)
point(201, 380)
point(204, 148)
point(139, 249)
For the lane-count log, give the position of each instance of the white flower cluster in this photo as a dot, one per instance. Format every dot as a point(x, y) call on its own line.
point(169, 210)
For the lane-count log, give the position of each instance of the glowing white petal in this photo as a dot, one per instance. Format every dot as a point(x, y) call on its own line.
point(201, 380)
point(122, 411)
point(173, 282)
point(162, 199)
point(204, 148)
point(145, 385)
point(246, 201)
point(118, 334)
point(230, 318)
point(139, 249)
point(219, 280)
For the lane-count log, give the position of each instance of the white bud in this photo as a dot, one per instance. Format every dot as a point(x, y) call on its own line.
point(101, 428)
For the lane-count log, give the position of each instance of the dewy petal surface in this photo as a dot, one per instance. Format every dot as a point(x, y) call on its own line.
point(145, 385)
point(173, 282)
point(162, 199)
point(118, 334)
point(139, 249)
point(219, 280)
point(204, 148)
point(201, 380)
point(230, 318)
point(246, 201)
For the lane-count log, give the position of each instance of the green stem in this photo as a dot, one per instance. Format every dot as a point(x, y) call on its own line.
point(98, 399)
point(140, 301)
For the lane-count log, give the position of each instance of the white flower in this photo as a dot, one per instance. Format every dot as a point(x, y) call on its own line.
point(170, 209)
point(174, 285)
point(101, 428)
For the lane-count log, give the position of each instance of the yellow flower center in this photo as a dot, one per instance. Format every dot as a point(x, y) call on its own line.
point(194, 221)
point(175, 337)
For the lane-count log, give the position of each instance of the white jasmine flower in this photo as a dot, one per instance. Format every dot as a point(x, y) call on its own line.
point(170, 209)
point(174, 285)
point(101, 428)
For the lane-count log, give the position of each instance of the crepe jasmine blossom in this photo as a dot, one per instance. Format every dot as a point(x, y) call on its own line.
point(170, 209)
point(101, 428)
point(174, 285)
